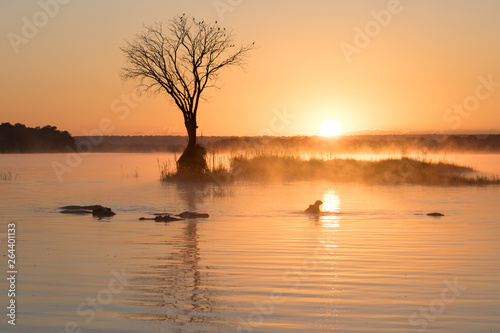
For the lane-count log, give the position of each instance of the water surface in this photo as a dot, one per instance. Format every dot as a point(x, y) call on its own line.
point(374, 264)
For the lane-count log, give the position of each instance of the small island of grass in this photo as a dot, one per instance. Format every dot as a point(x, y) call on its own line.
point(389, 171)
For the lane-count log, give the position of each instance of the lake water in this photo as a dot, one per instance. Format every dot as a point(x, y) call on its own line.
point(374, 264)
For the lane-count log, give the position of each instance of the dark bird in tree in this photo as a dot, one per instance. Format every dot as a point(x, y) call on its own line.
point(183, 59)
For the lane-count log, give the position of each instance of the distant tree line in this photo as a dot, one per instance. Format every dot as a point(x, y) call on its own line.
point(398, 144)
point(370, 144)
point(21, 139)
point(142, 143)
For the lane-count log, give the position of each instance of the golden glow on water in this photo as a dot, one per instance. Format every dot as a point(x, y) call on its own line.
point(331, 202)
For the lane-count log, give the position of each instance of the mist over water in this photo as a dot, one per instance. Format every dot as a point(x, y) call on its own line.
point(373, 263)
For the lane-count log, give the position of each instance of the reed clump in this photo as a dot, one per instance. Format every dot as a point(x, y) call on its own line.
point(132, 174)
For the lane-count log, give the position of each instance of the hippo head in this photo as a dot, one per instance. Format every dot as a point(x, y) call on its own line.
point(318, 203)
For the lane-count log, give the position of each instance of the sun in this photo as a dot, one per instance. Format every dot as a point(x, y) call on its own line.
point(330, 127)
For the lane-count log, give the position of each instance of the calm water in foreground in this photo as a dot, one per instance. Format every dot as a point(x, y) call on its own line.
point(374, 264)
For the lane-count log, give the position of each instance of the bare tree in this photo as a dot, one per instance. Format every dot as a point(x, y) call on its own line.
point(183, 61)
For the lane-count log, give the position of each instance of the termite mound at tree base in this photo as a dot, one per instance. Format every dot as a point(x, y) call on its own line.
point(192, 165)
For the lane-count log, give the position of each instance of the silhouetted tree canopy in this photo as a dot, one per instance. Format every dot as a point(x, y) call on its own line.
point(21, 139)
point(182, 59)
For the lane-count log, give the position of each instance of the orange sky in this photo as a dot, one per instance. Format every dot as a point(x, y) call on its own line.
point(423, 66)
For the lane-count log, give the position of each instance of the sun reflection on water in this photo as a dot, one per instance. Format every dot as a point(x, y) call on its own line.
point(331, 208)
point(331, 202)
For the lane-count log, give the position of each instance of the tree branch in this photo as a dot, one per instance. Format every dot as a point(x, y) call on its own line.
point(183, 62)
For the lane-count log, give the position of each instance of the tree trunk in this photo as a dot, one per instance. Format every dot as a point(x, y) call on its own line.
point(191, 131)
point(192, 164)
